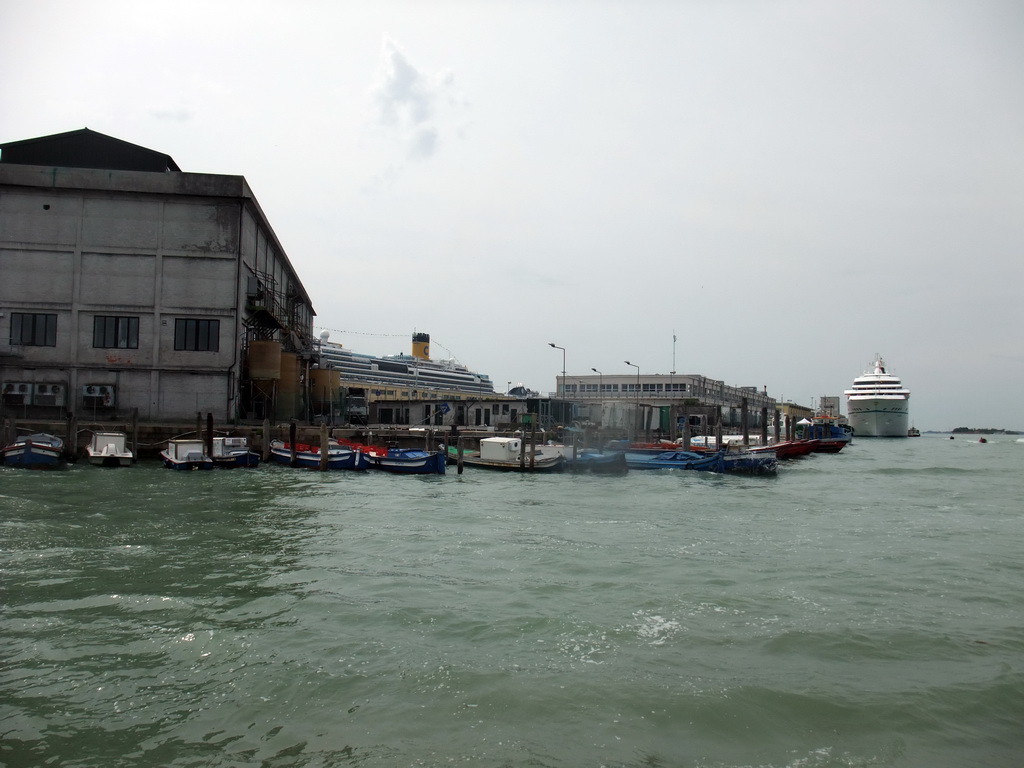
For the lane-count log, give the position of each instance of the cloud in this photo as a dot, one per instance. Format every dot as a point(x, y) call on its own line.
point(408, 101)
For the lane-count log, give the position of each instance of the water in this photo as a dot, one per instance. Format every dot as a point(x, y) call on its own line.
point(863, 609)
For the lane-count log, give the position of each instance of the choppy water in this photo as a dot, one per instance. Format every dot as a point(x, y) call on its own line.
point(864, 609)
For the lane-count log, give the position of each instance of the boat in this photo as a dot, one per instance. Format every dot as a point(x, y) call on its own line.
point(740, 459)
point(596, 462)
point(232, 452)
point(186, 453)
point(109, 449)
point(651, 459)
point(509, 454)
point(408, 461)
point(829, 434)
point(878, 405)
point(787, 449)
point(913, 432)
point(308, 456)
point(35, 451)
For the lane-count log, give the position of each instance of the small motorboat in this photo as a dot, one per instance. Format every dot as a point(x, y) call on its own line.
point(36, 451)
point(232, 452)
point(109, 449)
point(595, 462)
point(186, 453)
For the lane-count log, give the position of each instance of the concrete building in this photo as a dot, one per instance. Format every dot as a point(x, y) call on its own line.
point(126, 284)
point(646, 402)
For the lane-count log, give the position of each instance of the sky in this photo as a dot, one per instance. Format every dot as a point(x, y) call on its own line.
point(784, 188)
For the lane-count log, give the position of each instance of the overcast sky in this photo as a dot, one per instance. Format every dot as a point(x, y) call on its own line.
point(790, 187)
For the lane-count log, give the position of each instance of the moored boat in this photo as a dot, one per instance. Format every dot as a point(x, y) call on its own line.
point(35, 451)
point(308, 456)
point(408, 461)
point(787, 449)
point(595, 462)
point(650, 459)
point(109, 449)
point(509, 454)
point(232, 452)
point(186, 454)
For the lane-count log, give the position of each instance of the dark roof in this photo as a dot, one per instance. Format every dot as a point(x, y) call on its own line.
point(86, 149)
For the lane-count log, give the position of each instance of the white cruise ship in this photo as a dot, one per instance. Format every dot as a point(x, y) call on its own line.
point(415, 372)
point(878, 405)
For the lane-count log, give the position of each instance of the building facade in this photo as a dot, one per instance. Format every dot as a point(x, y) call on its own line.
point(128, 284)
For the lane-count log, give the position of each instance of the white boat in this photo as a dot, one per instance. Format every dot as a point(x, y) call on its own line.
point(186, 454)
point(878, 405)
point(109, 449)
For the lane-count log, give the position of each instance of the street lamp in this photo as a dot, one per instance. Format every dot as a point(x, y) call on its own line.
point(632, 365)
point(552, 344)
point(600, 382)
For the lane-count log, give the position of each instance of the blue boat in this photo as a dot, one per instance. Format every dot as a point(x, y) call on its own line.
point(37, 451)
point(760, 462)
point(408, 461)
point(703, 462)
point(598, 462)
point(232, 452)
point(308, 456)
point(186, 454)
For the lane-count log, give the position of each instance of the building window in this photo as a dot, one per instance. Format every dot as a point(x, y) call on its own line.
point(197, 335)
point(110, 332)
point(31, 330)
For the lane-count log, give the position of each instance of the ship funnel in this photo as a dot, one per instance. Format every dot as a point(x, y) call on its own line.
point(421, 346)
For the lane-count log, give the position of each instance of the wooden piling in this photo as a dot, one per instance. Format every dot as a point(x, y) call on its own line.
point(135, 434)
point(686, 432)
point(291, 441)
point(209, 434)
point(458, 453)
point(533, 442)
point(745, 419)
point(778, 426)
point(71, 439)
point(324, 446)
point(265, 447)
point(764, 425)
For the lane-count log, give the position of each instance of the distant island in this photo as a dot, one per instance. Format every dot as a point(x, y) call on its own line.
point(983, 431)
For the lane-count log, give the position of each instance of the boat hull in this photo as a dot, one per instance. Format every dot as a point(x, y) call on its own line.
point(35, 452)
point(599, 463)
point(109, 460)
point(701, 462)
point(878, 418)
point(237, 460)
point(540, 464)
point(409, 462)
point(337, 458)
point(170, 462)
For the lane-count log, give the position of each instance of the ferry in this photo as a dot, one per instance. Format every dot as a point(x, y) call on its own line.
point(878, 405)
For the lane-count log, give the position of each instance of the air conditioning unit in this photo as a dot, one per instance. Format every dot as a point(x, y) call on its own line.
point(98, 396)
point(48, 394)
point(17, 393)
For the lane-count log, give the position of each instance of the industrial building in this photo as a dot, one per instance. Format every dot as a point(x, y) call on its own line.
point(128, 285)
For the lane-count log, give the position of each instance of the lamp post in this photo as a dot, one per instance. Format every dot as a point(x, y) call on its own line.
point(632, 365)
point(600, 382)
point(552, 344)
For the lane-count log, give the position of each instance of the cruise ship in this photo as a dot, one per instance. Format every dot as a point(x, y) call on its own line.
point(878, 405)
point(407, 373)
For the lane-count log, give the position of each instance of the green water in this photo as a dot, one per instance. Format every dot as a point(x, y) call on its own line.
point(862, 609)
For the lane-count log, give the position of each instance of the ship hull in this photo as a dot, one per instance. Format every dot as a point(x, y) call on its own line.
point(878, 417)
